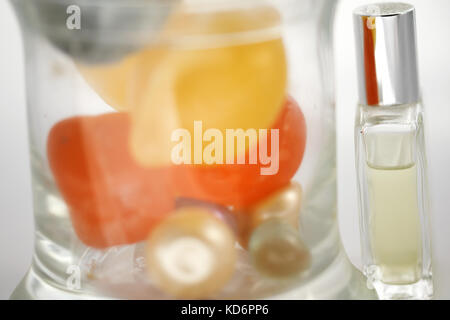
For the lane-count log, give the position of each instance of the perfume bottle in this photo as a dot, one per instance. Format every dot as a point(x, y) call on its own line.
point(390, 154)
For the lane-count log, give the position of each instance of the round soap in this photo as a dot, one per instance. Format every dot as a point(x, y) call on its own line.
point(209, 74)
point(191, 254)
point(277, 251)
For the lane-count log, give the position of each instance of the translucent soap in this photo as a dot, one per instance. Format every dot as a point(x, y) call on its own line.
point(112, 200)
point(218, 77)
point(227, 81)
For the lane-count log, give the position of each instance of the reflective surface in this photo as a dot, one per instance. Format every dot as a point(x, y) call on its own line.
point(386, 54)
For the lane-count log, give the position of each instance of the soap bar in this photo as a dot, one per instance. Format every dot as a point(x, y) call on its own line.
point(203, 70)
point(112, 200)
point(223, 85)
point(243, 185)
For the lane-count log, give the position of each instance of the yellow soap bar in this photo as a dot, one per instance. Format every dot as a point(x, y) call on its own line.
point(216, 76)
point(230, 72)
point(240, 86)
point(226, 69)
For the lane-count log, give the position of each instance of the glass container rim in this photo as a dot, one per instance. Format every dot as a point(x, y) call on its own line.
point(191, 4)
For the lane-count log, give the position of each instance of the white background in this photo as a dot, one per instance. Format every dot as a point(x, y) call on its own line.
point(16, 220)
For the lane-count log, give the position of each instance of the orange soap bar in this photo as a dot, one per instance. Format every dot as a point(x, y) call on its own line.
point(242, 185)
point(112, 200)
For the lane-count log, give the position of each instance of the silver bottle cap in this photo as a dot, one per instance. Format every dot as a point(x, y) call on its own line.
point(386, 54)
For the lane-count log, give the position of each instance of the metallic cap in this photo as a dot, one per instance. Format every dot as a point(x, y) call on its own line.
point(386, 54)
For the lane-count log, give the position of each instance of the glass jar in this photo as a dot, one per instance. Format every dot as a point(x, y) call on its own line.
point(144, 186)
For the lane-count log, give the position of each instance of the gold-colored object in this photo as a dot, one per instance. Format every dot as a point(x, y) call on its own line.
point(284, 205)
point(191, 254)
point(277, 251)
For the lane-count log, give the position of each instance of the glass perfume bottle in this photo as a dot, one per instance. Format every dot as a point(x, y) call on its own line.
point(390, 154)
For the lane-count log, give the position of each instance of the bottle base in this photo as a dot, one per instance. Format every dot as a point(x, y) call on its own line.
point(421, 290)
point(341, 280)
